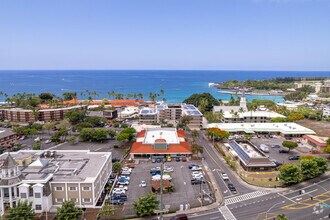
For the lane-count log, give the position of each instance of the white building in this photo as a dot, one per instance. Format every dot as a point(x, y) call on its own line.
point(49, 178)
point(288, 129)
point(251, 116)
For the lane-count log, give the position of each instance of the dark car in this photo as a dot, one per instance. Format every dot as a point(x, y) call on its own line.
point(231, 187)
point(115, 160)
point(155, 172)
point(179, 217)
point(282, 151)
point(190, 166)
point(294, 157)
point(158, 160)
point(117, 202)
point(197, 181)
point(177, 159)
point(184, 159)
point(276, 146)
point(277, 163)
point(119, 196)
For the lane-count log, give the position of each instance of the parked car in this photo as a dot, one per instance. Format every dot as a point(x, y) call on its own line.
point(196, 168)
point(276, 146)
point(118, 191)
point(225, 176)
point(153, 160)
point(197, 181)
point(48, 141)
point(143, 184)
point(155, 169)
point(192, 165)
point(231, 187)
point(179, 217)
point(294, 157)
point(264, 148)
point(127, 169)
point(168, 169)
point(122, 187)
point(165, 177)
point(177, 159)
point(276, 162)
point(123, 182)
point(283, 151)
point(197, 175)
point(158, 160)
point(169, 159)
point(117, 201)
point(183, 159)
point(124, 177)
point(119, 196)
point(156, 172)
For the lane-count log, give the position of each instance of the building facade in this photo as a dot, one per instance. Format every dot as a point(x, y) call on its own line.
point(7, 138)
point(47, 179)
point(45, 115)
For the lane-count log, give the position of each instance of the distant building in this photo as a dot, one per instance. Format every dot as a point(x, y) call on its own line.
point(7, 138)
point(159, 143)
point(45, 115)
point(326, 111)
point(287, 129)
point(250, 117)
point(171, 112)
point(224, 108)
point(110, 114)
point(47, 179)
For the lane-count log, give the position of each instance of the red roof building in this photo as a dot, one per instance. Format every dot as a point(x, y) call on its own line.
point(160, 142)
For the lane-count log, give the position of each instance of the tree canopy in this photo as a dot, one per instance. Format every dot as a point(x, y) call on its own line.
point(290, 174)
point(289, 144)
point(206, 100)
point(68, 210)
point(146, 205)
point(23, 210)
point(217, 133)
point(93, 134)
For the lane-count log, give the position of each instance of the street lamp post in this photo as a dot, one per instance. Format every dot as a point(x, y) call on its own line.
point(273, 207)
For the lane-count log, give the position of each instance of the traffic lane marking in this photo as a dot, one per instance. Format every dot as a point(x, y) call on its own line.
point(308, 205)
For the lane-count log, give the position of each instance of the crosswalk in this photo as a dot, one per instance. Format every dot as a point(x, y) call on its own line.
point(244, 197)
point(226, 213)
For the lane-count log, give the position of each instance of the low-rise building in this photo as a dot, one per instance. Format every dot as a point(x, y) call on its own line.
point(316, 142)
point(49, 178)
point(250, 157)
point(249, 117)
point(326, 111)
point(160, 142)
point(7, 138)
point(287, 129)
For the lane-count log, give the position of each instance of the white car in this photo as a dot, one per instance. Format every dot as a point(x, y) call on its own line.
point(165, 177)
point(196, 173)
point(122, 187)
point(48, 141)
point(225, 176)
point(169, 169)
point(196, 168)
point(118, 191)
point(143, 184)
point(125, 172)
point(155, 169)
point(127, 168)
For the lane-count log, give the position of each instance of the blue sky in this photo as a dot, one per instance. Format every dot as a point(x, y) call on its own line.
point(165, 34)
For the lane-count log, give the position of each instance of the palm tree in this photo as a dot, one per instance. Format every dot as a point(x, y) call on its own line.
point(128, 96)
point(221, 114)
point(152, 96)
point(196, 149)
point(140, 95)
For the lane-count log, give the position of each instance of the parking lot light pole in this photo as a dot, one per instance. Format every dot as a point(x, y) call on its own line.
point(273, 207)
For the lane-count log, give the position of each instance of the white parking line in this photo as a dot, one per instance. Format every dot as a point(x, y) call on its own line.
point(286, 197)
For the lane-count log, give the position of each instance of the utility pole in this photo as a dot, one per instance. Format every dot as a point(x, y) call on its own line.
point(161, 189)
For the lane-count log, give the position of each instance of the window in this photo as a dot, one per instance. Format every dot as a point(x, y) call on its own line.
point(58, 200)
point(38, 207)
point(86, 200)
point(72, 188)
point(37, 195)
point(86, 188)
point(23, 195)
point(58, 188)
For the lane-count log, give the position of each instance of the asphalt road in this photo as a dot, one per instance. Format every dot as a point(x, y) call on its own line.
point(251, 204)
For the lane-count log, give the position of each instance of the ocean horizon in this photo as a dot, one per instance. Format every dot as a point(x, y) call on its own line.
point(177, 84)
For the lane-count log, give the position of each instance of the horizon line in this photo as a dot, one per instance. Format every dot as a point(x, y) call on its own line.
point(210, 70)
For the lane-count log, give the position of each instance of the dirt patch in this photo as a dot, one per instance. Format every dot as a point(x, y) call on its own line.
point(321, 128)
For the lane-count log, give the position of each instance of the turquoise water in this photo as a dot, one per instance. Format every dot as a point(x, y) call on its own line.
point(177, 85)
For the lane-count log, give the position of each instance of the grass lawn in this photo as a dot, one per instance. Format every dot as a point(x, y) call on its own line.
point(263, 182)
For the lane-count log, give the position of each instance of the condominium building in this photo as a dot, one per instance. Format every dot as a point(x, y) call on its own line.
point(49, 178)
point(171, 112)
point(249, 117)
point(27, 115)
point(7, 138)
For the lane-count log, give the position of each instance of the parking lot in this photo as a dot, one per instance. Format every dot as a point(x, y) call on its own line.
point(184, 193)
point(273, 152)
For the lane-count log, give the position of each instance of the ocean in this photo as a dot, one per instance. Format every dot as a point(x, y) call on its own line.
point(178, 85)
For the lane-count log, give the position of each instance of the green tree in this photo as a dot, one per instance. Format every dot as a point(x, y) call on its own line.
point(72, 139)
point(290, 174)
point(95, 121)
point(290, 145)
point(295, 96)
point(36, 145)
point(194, 133)
point(69, 96)
point(322, 164)
point(309, 169)
point(68, 210)
point(195, 148)
point(106, 211)
point(112, 133)
point(23, 210)
point(203, 105)
point(281, 217)
point(48, 126)
point(75, 116)
point(46, 96)
point(116, 167)
point(146, 205)
point(196, 100)
point(295, 116)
